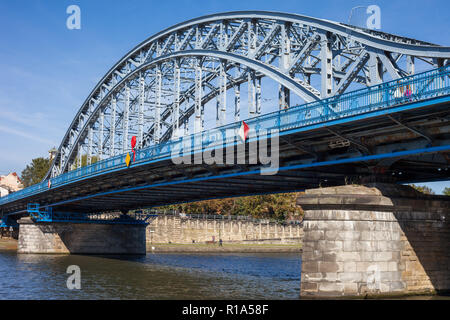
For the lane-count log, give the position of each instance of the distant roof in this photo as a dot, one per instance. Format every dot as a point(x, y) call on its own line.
point(12, 173)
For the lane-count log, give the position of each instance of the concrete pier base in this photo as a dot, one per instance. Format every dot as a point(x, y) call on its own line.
point(378, 239)
point(80, 238)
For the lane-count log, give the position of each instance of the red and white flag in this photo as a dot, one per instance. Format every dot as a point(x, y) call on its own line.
point(49, 183)
point(133, 145)
point(243, 131)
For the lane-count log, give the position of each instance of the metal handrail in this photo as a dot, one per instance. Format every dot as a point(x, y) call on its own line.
point(422, 86)
point(203, 216)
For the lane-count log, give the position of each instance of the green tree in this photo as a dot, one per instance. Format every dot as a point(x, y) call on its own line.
point(423, 189)
point(275, 206)
point(35, 171)
point(94, 159)
point(446, 191)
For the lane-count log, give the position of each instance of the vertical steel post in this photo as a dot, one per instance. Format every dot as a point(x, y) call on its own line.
point(375, 70)
point(410, 65)
point(101, 133)
point(326, 59)
point(90, 138)
point(251, 94)
point(126, 119)
point(258, 96)
point(251, 38)
point(223, 111)
point(222, 96)
point(224, 34)
point(157, 131)
point(198, 121)
point(237, 102)
point(176, 98)
point(197, 37)
point(79, 156)
point(283, 97)
point(112, 128)
point(141, 112)
point(186, 127)
point(284, 63)
point(218, 104)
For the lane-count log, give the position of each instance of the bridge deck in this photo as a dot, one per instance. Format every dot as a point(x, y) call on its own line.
point(385, 135)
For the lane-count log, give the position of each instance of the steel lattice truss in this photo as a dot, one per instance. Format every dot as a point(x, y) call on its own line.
point(159, 90)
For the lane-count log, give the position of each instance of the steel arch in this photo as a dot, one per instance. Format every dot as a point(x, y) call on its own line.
point(288, 48)
point(263, 69)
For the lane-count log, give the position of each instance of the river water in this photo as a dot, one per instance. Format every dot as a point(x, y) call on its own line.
point(154, 276)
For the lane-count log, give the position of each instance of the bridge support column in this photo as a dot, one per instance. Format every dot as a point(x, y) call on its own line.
point(377, 239)
point(80, 238)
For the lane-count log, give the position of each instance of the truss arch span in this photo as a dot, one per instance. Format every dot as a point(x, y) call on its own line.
point(165, 82)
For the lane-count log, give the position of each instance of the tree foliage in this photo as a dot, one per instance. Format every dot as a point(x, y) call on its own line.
point(446, 191)
point(84, 161)
point(276, 206)
point(423, 189)
point(35, 171)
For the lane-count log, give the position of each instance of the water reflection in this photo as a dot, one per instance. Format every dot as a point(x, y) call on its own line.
point(155, 276)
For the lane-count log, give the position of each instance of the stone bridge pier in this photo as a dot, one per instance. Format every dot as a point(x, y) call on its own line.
point(378, 239)
point(81, 238)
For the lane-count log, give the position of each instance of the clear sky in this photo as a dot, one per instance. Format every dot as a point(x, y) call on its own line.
point(47, 71)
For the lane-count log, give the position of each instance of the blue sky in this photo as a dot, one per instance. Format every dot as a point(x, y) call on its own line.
point(47, 70)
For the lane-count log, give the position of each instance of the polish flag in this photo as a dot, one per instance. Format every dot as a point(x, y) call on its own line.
point(243, 131)
point(49, 183)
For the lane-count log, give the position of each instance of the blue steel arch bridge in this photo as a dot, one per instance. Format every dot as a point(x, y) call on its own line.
point(346, 103)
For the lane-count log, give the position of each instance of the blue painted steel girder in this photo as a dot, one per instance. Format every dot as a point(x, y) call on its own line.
point(47, 215)
point(428, 108)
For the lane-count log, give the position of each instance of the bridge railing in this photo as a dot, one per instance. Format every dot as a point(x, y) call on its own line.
point(405, 90)
point(218, 217)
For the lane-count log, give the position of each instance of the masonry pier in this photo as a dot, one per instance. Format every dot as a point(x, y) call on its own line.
point(81, 238)
point(377, 239)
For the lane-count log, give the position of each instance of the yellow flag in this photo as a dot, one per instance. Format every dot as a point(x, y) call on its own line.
point(128, 159)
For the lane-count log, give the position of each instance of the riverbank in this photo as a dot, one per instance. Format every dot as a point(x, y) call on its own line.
point(227, 247)
point(8, 244)
point(11, 244)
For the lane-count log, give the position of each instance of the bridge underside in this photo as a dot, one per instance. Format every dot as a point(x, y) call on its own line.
point(406, 146)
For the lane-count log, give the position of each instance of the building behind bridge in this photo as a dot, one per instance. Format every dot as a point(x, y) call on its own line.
point(10, 183)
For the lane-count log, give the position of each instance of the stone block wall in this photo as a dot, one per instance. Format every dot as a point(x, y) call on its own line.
point(359, 241)
point(175, 229)
point(82, 238)
point(425, 254)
